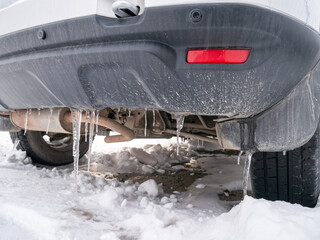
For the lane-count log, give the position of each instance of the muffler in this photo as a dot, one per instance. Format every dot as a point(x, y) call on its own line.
point(126, 134)
point(42, 120)
point(59, 120)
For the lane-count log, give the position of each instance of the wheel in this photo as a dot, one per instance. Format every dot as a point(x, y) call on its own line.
point(292, 176)
point(52, 149)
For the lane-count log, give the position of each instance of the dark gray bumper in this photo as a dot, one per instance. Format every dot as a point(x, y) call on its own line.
point(140, 62)
point(288, 125)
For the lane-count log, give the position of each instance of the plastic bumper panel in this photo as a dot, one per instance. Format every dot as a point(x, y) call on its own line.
point(97, 62)
point(286, 126)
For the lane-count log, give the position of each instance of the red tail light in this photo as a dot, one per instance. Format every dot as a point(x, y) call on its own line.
point(218, 56)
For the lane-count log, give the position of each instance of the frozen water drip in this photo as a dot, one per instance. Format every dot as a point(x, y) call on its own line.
point(15, 144)
point(239, 157)
point(246, 172)
point(49, 119)
point(26, 122)
point(76, 131)
point(86, 126)
point(97, 121)
point(91, 136)
point(180, 122)
point(145, 122)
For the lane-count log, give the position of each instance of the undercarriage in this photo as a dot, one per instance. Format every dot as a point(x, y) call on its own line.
point(129, 123)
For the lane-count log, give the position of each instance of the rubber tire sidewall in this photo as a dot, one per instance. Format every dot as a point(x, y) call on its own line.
point(40, 151)
point(291, 177)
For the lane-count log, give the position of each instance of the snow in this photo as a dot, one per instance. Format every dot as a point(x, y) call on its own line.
point(200, 186)
point(40, 203)
point(150, 187)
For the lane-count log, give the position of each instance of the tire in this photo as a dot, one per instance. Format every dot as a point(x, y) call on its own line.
point(48, 152)
point(292, 177)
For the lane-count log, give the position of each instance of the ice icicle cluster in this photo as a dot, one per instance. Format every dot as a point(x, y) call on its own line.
point(97, 121)
point(49, 120)
point(15, 144)
point(76, 131)
point(86, 127)
point(91, 136)
point(154, 117)
point(145, 122)
point(246, 172)
point(180, 122)
point(239, 157)
point(26, 122)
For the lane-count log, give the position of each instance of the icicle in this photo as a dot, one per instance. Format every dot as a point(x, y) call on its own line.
point(30, 111)
point(246, 171)
point(145, 121)
point(49, 120)
point(91, 135)
point(39, 111)
point(180, 122)
point(239, 156)
point(130, 112)
point(97, 122)
point(86, 126)
point(118, 114)
point(76, 130)
point(198, 146)
point(26, 123)
point(154, 117)
point(202, 143)
point(284, 153)
point(15, 144)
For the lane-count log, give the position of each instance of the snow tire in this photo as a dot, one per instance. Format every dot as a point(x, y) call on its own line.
point(41, 152)
point(292, 176)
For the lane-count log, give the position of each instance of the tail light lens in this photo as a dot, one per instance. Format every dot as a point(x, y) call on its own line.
point(218, 56)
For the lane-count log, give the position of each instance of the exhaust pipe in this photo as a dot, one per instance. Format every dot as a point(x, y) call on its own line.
point(6, 125)
point(61, 122)
point(193, 136)
point(38, 120)
point(126, 133)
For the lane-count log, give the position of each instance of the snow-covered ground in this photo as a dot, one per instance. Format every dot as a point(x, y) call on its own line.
point(40, 203)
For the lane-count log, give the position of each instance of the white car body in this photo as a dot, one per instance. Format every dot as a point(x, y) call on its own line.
point(17, 15)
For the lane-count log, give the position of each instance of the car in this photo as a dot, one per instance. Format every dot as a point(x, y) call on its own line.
point(244, 74)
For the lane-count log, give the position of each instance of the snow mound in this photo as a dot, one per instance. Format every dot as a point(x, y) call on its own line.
point(143, 160)
point(150, 187)
point(251, 219)
point(40, 203)
point(262, 219)
point(18, 157)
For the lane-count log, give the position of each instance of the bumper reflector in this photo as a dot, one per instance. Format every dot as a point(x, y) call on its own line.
point(218, 56)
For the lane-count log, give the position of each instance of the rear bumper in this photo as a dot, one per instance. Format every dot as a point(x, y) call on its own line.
point(286, 126)
point(95, 62)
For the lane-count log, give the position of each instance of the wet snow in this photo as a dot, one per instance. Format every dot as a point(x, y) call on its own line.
point(39, 203)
